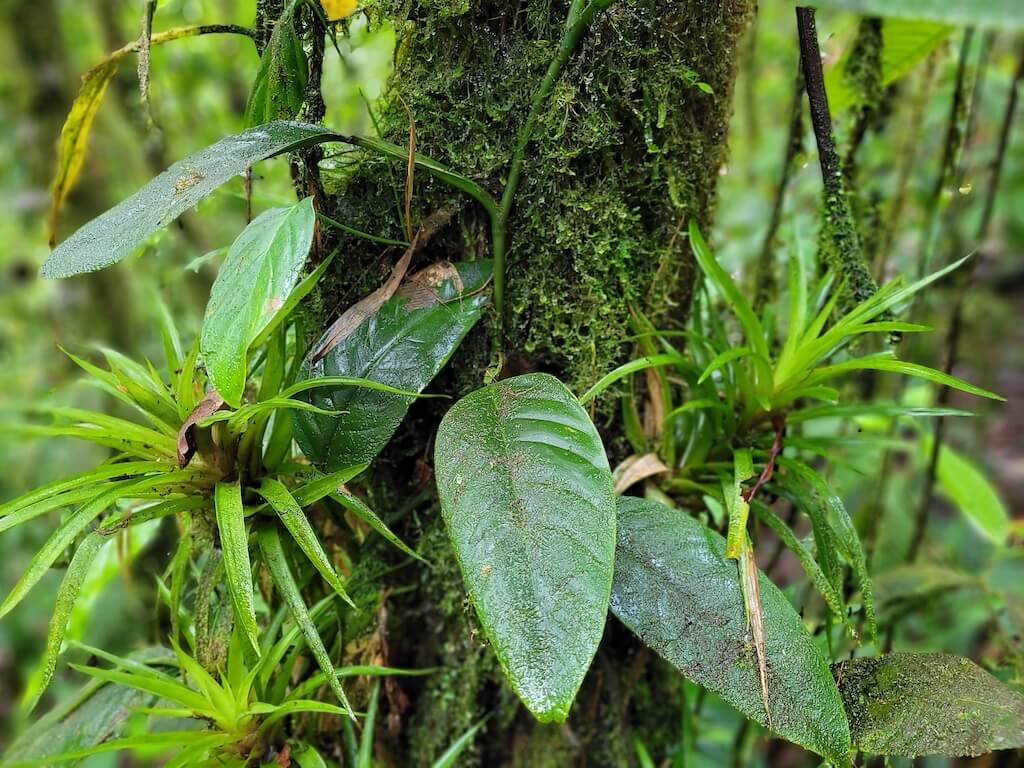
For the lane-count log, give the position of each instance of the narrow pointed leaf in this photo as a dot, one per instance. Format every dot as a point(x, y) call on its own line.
point(234, 542)
point(807, 561)
point(169, 739)
point(274, 557)
point(527, 496)
point(59, 540)
point(752, 327)
point(100, 473)
point(677, 590)
point(95, 713)
point(295, 520)
point(158, 686)
point(67, 595)
point(358, 507)
point(882, 363)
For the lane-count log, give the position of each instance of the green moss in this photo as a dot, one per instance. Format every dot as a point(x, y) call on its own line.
point(625, 148)
point(457, 697)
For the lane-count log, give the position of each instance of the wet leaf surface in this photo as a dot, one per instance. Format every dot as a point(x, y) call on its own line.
point(526, 494)
point(675, 588)
point(403, 344)
point(912, 704)
point(117, 233)
point(255, 281)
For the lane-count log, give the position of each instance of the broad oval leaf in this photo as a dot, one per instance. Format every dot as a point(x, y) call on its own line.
point(403, 344)
point(117, 233)
point(675, 588)
point(254, 282)
point(912, 704)
point(526, 494)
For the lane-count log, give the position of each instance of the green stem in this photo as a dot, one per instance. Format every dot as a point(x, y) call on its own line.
point(577, 22)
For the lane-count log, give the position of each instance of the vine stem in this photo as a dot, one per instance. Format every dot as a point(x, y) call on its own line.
point(578, 20)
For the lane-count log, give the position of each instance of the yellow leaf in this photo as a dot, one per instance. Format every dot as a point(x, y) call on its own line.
point(74, 136)
point(338, 9)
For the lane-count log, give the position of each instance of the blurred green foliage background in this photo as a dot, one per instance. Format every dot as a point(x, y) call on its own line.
point(967, 598)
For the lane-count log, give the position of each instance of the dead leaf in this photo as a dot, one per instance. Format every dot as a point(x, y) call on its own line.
point(654, 413)
point(755, 619)
point(359, 312)
point(421, 289)
point(186, 441)
point(634, 469)
point(74, 136)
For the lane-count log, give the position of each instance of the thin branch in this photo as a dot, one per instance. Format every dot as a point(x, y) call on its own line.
point(840, 226)
point(769, 468)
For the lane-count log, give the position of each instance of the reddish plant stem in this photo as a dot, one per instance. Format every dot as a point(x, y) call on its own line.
point(779, 423)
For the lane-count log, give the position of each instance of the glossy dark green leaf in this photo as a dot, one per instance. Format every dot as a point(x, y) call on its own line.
point(526, 494)
point(117, 233)
point(675, 588)
point(255, 280)
point(404, 344)
point(912, 704)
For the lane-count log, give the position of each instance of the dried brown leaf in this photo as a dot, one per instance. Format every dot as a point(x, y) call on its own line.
point(635, 468)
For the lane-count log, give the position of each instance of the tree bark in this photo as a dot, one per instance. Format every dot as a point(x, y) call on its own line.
point(626, 148)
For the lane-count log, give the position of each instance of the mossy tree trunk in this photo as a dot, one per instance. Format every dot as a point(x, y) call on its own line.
point(626, 148)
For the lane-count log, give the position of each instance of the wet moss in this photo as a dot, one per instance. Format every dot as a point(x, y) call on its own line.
point(625, 148)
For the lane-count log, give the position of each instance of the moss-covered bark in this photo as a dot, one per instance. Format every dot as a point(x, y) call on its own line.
point(626, 148)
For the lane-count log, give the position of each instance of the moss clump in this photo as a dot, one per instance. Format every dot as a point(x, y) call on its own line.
point(625, 148)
